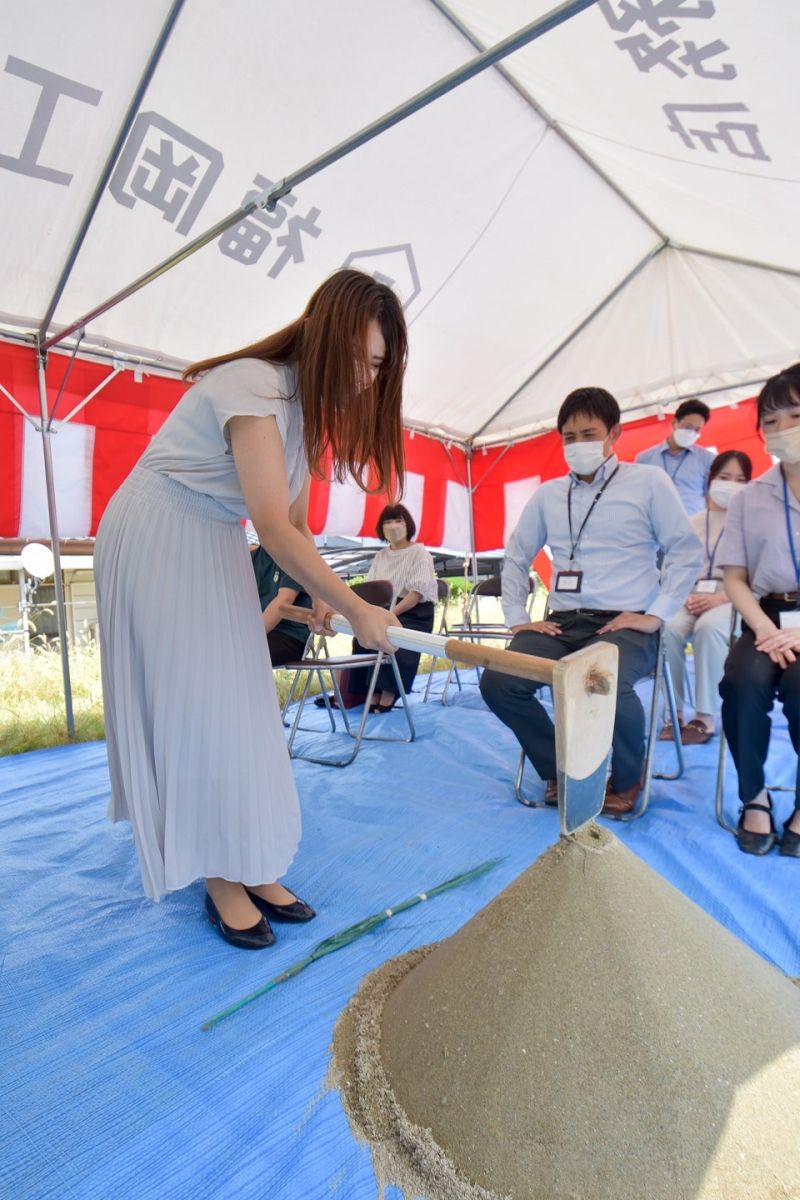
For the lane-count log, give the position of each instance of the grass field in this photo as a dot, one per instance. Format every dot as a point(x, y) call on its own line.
point(32, 692)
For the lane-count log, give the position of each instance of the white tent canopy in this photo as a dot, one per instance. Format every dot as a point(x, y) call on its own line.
point(613, 204)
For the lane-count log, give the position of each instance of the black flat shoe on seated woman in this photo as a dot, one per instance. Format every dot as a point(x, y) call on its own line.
point(257, 937)
point(789, 844)
point(756, 843)
point(298, 910)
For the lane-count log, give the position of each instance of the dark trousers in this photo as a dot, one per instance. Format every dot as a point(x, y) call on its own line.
point(514, 700)
point(749, 687)
point(283, 648)
point(420, 617)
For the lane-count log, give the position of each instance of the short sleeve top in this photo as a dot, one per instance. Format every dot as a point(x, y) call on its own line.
point(270, 578)
point(408, 570)
point(193, 445)
point(756, 535)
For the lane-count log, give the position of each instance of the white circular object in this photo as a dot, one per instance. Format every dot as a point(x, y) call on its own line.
point(37, 560)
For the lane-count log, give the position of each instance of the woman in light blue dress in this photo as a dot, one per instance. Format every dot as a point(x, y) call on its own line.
point(196, 751)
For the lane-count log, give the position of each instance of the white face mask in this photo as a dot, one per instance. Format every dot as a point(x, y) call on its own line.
point(394, 531)
point(722, 491)
point(584, 458)
point(685, 437)
point(784, 445)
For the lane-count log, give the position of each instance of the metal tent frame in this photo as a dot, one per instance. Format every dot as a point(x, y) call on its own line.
point(43, 341)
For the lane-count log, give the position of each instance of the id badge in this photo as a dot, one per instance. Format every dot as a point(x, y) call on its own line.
point(790, 619)
point(570, 581)
point(706, 586)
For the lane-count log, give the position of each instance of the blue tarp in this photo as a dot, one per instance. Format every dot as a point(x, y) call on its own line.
point(109, 1088)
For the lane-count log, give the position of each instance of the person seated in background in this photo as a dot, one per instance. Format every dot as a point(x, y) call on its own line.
point(286, 639)
point(760, 555)
point(409, 568)
point(705, 619)
point(686, 464)
point(605, 522)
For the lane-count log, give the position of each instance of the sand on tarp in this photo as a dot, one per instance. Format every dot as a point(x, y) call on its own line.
point(590, 1035)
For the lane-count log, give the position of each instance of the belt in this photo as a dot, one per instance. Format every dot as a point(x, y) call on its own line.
point(610, 613)
point(784, 597)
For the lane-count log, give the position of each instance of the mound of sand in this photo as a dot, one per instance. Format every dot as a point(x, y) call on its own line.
point(590, 1035)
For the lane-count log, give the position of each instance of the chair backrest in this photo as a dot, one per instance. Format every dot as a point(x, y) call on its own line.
point(493, 586)
point(442, 589)
point(375, 591)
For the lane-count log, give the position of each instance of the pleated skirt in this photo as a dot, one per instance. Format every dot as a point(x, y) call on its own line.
point(196, 749)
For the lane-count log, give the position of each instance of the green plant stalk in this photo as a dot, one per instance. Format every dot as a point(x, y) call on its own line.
point(338, 941)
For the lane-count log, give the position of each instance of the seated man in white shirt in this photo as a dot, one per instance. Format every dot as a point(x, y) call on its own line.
point(605, 523)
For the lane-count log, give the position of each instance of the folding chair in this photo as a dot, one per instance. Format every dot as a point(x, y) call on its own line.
point(375, 591)
point(472, 627)
point(443, 596)
point(721, 760)
point(661, 677)
point(474, 630)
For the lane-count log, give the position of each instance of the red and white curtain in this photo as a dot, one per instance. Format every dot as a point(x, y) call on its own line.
point(94, 452)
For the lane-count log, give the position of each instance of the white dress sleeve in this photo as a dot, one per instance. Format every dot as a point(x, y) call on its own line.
point(249, 387)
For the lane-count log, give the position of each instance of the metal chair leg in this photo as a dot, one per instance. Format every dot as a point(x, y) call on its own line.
point(720, 788)
point(313, 650)
point(358, 734)
point(401, 692)
point(661, 676)
point(666, 679)
point(452, 670)
point(518, 792)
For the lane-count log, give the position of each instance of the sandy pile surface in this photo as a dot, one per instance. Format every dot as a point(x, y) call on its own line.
point(590, 1035)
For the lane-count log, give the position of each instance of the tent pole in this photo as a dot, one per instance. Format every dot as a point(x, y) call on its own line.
point(27, 416)
point(267, 200)
point(58, 579)
point(471, 515)
point(587, 320)
point(108, 167)
point(24, 609)
point(498, 460)
point(736, 259)
point(551, 123)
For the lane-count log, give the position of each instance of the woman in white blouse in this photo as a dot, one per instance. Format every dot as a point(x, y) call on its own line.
point(409, 568)
point(705, 618)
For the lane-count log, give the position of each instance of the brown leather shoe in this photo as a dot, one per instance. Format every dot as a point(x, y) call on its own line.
point(696, 734)
point(551, 793)
point(617, 803)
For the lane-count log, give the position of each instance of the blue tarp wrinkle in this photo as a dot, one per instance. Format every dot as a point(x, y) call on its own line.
point(110, 1090)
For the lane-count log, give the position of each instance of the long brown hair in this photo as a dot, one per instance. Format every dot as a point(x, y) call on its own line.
point(345, 413)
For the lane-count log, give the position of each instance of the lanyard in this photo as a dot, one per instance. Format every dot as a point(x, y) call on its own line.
point(789, 529)
point(712, 554)
point(674, 474)
point(574, 541)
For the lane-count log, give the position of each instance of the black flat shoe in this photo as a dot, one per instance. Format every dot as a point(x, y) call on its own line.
point(298, 910)
point(257, 937)
point(789, 844)
point(756, 843)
